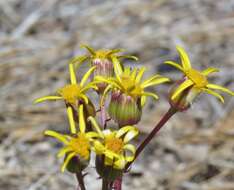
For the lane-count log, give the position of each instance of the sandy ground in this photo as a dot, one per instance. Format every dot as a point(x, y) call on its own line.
point(194, 151)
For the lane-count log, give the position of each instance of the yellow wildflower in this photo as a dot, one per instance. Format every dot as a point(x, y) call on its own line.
point(114, 145)
point(98, 56)
point(196, 81)
point(103, 60)
point(129, 82)
point(73, 92)
point(77, 144)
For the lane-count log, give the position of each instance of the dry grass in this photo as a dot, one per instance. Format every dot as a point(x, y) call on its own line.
point(37, 38)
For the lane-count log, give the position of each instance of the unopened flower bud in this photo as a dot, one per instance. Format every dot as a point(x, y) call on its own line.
point(104, 68)
point(124, 109)
point(184, 100)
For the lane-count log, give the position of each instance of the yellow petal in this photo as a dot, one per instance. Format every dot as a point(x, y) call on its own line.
point(115, 51)
point(85, 98)
point(77, 60)
point(124, 130)
point(86, 76)
point(108, 161)
point(117, 67)
point(130, 135)
point(211, 92)
point(72, 74)
point(95, 125)
point(127, 71)
point(184, 58)
point(57, 136)
point(66, 161)
point(150, 94)
point(91, 135)
point(91, 50)
point(107, 89)
point(110, 154)
point(120, 163)
point(128, 57)
point(44, 98)
point(150, 80)
point(133, 74)
point(156, 81)
point(71, 120)
point(132, 150)
point(217, 87)
point(89, 86)
point(98, 147)
point(187, 83)
point(82, 124)
point(108, 132)
point(140, 74)
point(176, 65)
point(209, 70)
point(64, 151)
point(143, 100)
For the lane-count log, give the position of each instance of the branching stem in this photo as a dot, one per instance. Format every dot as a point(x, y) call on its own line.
point(160, 124)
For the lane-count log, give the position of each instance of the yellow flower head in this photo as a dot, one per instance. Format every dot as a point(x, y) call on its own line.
point(129, 82)
point(114, 145)
point(73, 92)
point(100, 55)
point(77, 144)
point(103, 60)
point(195, 80)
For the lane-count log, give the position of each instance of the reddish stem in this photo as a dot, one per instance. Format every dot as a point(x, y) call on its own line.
point(80, 179)
point(117, 185)
point(102, 114)
point(160, 124)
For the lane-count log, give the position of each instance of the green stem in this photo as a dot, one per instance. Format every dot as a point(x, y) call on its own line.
point(80, 179)
point(160, 124)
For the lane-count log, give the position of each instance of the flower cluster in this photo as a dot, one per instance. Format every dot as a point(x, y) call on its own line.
point(123, 93)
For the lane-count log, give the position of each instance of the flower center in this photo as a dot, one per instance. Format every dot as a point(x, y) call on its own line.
point(127, 83)
point(101, 54)
point(70, 93)
point(130, 86)
point(80, 145)
point(197, 77)
point(114, 144)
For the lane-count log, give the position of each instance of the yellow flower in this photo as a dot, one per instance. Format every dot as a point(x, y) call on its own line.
point(98, 56)
point(77, 144)
point(103, 60)
point(195, 81)
point(129, 82)
point(73, 92)
point(114, 145)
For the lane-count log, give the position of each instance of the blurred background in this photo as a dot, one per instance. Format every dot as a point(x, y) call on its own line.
point(194, 151)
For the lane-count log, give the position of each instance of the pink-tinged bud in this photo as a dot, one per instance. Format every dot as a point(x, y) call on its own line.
point(104, 68)
point(107, 172)
point(124, 110)
point(184, 100)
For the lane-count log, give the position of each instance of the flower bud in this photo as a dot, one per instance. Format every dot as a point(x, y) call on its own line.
point(104, 67)
point(124, 109)
point(107, 172)
point(183, 101)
